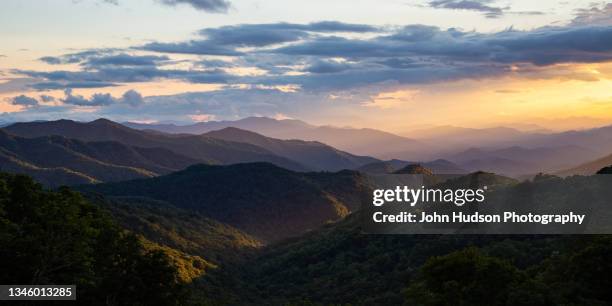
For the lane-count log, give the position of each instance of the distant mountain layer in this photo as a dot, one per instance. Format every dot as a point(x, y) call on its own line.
point(370, 142)
point(421, 144)
point(200, 148)
point(520, 160)
point(588, 168)
point(314, 155)
point(263, 200)
point(56, 160)
point(439, 166)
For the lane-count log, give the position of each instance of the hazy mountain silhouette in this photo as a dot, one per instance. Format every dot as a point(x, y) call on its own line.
point(470, 136)
point(267, 126)
point(369, 142)
point(263, 200)
point(519, 160)
point(597, 139)
point(314, 155)
point(588, 168)
point(201, 148)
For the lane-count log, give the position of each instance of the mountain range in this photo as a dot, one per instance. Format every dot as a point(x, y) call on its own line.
point(226, 146)
point(369, 142)
point(506, 150)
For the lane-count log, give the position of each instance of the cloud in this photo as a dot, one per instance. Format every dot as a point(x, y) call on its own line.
point(23, 100)
point(73, 58)
point(124, 59)
point(211, 6)
point(130, 97)
point(470, 5)
point(597, 14)
point(63, 85)
point(543, 46)
point(110, 76)
point(46, 98)
point(201, 47)
point(300, 57)
point(216, 64)
point(105, 57)
point(224, 40)
point(321, 66)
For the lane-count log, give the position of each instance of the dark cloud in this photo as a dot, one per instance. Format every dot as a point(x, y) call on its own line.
point(201, 47)
point(471, 5)
point(131, 98)
point(23, 100)
point(541, 47)
point(63, 85)
point(74, 58)
point(95, 100)
point(253, 35)
point(320, 66)
point(274, 33)
point(224, 40)
point(216, 64)
point(413, 54)
point(212, 6)
point(105, 57)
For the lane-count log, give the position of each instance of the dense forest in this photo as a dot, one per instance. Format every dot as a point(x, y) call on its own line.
point(134, 250)
point(57, 237)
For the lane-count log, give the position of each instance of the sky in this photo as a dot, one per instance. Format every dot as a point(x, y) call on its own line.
point(393, 65)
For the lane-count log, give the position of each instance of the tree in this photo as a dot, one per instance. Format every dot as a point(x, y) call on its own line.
point(57, 237)
point(465, 277)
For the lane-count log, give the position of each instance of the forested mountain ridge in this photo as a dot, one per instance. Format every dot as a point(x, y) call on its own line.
point(263, 200)
point(56, 160)
point(57, 237)
point(201, 148)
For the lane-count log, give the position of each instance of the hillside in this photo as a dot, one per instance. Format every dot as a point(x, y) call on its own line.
point(339, 264)
point(265, 201)
point(57, 237)
point(314, 155)
point(200, 148)
point(186, 231)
